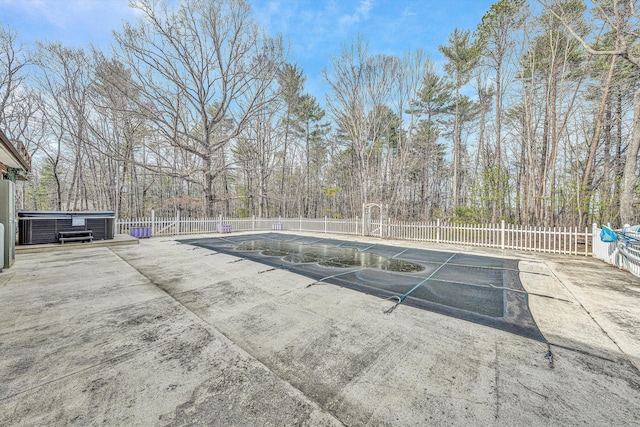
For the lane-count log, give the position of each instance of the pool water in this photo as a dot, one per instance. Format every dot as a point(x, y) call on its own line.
point(327, 255)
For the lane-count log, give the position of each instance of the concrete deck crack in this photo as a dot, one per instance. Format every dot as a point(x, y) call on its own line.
point(109, 360)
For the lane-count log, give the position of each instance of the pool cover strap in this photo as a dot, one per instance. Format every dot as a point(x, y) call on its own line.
point(402, 298)
point(340, 274)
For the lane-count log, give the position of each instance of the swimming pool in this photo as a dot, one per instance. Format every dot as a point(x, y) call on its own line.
point(484, 290)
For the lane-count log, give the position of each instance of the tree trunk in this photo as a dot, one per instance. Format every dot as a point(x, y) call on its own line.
point(550, 213)
point(587, 177)
point(629, 174)
point(542, 189)
point(456, 154)
point(498, 203)
point(283, 199)
point(208, 187)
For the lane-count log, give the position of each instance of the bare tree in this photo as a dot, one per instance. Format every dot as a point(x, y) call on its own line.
point(201, 64)
point(117, 128)
point(360, 84)
point(65, 78)
point(256, 150)
point(12, 91)
point(408, 81)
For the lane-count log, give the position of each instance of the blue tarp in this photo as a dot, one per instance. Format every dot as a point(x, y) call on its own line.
point(608, 235)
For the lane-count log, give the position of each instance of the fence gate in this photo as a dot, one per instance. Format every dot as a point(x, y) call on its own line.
point(373, 216)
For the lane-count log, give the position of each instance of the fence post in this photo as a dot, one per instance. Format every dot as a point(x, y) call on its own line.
point(178, 221)
point(153, 222)
point(502, 234)
point(438, 230)
point(594, 234)
point(253, 222)
point(356, 225)
point(325, 223)
point(300, 222)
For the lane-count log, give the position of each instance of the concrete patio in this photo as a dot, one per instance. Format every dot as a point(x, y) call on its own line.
point(162, 333)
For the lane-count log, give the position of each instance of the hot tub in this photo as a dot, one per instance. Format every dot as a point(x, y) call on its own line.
point(40, 227)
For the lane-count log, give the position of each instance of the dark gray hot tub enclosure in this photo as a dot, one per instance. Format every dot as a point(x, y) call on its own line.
point(39, 227)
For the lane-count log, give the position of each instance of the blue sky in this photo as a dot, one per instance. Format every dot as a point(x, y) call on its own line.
point(314, 29)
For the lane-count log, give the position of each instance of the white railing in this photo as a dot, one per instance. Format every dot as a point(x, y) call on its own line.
point(622, 254)
point(558, 240)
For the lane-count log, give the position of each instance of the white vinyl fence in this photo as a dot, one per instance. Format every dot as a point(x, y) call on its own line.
point(559, 240)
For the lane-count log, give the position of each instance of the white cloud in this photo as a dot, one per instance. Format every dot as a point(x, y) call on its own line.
point(276, 16)
point(407, 12)
point(361, 13)
point(364, 8)
point(91, 20)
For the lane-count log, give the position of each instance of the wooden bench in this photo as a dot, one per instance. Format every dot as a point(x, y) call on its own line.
point(75, 236)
